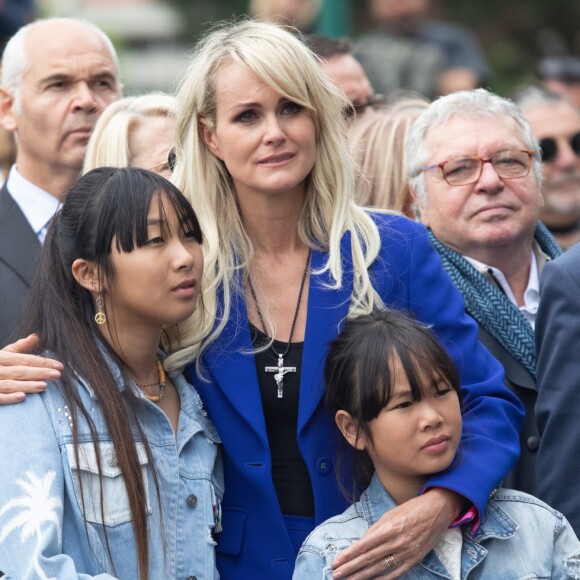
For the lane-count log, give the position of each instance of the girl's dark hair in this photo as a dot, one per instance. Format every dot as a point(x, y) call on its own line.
point(359, 378)
point(106, 206)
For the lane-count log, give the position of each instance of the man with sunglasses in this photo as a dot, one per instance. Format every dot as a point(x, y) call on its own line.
point(555, 122)
point(474, 168)
point(338, 62)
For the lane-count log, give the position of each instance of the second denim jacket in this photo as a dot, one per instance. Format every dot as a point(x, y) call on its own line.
point(519, 537)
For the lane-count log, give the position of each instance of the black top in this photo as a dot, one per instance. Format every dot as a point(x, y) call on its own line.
point(289, 472)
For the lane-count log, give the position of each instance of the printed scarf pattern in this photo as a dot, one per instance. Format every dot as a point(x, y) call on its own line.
point(490, 307)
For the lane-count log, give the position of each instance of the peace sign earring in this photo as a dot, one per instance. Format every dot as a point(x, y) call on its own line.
point(100, 317)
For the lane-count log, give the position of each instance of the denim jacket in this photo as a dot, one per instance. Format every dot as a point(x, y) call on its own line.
point(42, 531)
point(525, 538)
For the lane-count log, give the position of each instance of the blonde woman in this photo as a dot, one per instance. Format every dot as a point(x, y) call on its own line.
point(262, 153)
point(134, 132)
point(377, 142)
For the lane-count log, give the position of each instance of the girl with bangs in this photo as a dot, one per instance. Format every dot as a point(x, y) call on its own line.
point(388, 379)
point(261, 152)
point(115, 470)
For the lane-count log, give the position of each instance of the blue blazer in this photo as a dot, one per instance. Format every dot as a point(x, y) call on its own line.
point(558, 406)
point(408, 276)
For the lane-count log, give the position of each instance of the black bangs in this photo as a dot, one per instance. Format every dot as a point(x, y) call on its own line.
point(121, 212)
point(361, 365)
point(182, 208)
point(424, 362)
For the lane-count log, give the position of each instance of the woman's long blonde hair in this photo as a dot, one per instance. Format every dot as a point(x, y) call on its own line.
point(281, 60)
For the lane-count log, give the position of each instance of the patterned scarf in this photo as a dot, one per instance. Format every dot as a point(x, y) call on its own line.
point(490, 307)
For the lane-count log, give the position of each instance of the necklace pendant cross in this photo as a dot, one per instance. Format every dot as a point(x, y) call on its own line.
point(280, 371)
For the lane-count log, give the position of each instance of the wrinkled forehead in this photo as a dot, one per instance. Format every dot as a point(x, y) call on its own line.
point(483, 135)
point(64, 44)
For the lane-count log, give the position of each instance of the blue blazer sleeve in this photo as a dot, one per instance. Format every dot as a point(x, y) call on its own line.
point(558, 404)
point(410, 269)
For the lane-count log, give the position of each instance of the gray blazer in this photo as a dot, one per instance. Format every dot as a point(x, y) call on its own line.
point(19, 248)
point(520, 382)
point(558, 407)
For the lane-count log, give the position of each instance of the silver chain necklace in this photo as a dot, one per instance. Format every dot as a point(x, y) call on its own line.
point(281, 370)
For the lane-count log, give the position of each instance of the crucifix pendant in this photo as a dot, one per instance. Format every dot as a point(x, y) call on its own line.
point(280, 371)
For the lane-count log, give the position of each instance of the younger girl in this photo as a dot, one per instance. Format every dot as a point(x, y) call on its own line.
point(394, 393)
point(115, 470)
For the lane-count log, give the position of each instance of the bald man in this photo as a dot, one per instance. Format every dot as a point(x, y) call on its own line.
point(57, 77)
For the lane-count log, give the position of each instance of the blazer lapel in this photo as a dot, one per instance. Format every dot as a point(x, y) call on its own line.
point(234, 368)
point(327, 311)
point(19, 246)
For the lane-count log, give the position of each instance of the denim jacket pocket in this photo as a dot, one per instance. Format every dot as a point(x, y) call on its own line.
point(116, 509)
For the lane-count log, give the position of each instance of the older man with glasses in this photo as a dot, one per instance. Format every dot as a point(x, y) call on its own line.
point(475, 170)
point(555, 122)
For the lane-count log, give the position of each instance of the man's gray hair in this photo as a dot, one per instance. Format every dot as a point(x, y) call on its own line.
point(14, 58)
point(468, 105)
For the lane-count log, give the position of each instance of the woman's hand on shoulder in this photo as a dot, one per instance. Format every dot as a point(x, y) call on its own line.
point(21, 372)
point(401, 538)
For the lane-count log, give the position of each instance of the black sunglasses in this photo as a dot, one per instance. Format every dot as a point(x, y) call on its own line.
point(549, 146)
point(169, 164)
point(171, 159)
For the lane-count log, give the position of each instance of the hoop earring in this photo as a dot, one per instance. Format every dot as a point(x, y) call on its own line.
point(100, 317)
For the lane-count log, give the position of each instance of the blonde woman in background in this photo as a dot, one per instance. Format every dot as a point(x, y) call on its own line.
point(377, 142)
point(135, 132)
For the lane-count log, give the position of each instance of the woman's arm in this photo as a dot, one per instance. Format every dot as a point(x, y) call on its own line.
point(409, 275)
point(22, 373)
point(492, 415)
point(407, 532)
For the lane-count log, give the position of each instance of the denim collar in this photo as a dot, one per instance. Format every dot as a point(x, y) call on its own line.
point(376, 500)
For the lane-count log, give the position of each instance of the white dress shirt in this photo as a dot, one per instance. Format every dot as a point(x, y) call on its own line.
point(532, 294)
point(37, 205)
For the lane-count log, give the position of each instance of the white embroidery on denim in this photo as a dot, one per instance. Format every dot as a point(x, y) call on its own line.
point(33, 509)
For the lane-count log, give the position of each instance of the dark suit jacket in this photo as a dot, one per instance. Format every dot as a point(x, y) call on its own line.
point(408, 275)
point(520, 382)
point(558, 407)
point(19, 248)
